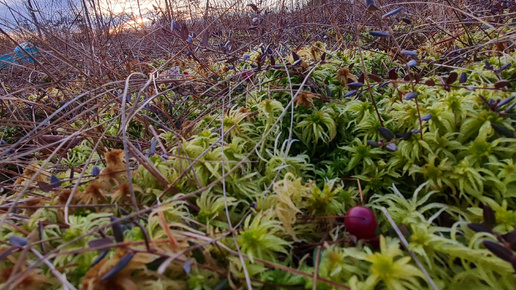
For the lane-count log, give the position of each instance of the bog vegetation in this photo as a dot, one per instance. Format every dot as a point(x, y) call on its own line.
point(329, 145)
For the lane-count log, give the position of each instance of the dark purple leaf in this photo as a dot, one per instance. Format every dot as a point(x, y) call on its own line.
point(54, 181)
point(480, 228)
point(361, 78)
point(152, 147)
point(18, 241)
point(502, 84)
point(505, 102)
point(118, 232)
point(412, 63)
point(511, 239)
point(484, 100)
point(391, 147)
point(154, 265)
point(488, 65)
point(452, 78)
point(100, 242)
point(355, 85)
point(45, 186)
point(498, 250)
point(407, 135)
point(504, 67)
point(350, 93)
point(430, 82)
point(386, 133)
point(415, 131)
point(463, 77)
point(175, 26)
point(297, 62)
point(6, 253)
point(426, 117)
point(295, 56)
point(406, 20)
point(488, 215)
point(502, 130)
point(95, 170)
point(372, 143)
point(99, 258)
point(509, 108)
point(410, 96)
point(371, 5)
point(145, 235)
point(409, 53)
point(379, 33)
point(187, 266)
point(119, 266)
point(391, 13)
point(41, 236)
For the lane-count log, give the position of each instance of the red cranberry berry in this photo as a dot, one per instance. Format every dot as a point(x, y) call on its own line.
point(247, 74)
point(361, 222)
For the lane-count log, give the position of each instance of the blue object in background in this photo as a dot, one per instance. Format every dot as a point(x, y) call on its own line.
point(29, 49)
point(6, 60)
point(19, 56)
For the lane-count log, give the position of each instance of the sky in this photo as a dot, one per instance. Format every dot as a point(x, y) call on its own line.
point(54, 9)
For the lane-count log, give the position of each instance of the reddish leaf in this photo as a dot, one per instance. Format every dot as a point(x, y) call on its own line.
point(45, 186)
point(254, 7)
point(375, 77)
point(502, 84)
point(393, 75)
point(452, 78)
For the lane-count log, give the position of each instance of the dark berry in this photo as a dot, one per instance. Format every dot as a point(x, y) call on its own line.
point(361, 222)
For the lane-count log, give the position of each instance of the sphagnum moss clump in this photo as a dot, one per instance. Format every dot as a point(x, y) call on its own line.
point(253, 191)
